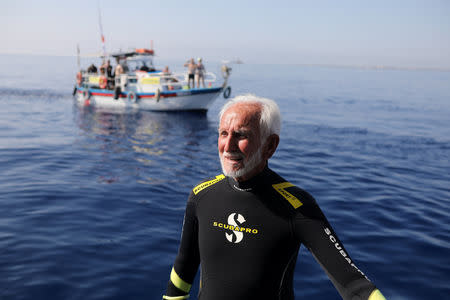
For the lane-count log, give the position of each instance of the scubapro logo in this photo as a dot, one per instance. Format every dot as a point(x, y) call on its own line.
point(231, 221)
point(235, 222)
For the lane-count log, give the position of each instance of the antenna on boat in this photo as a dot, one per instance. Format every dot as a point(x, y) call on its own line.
point(78, 57)
point(101, 32)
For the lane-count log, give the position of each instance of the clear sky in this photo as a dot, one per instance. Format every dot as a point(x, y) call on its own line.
point(402, 33)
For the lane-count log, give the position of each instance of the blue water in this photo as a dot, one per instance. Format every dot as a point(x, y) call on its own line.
point(92, 201)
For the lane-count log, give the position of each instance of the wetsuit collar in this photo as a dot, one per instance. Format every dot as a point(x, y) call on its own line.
point(249, 185)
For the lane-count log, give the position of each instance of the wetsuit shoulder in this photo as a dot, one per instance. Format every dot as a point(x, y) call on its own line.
point(206, 185)
point(295, 198)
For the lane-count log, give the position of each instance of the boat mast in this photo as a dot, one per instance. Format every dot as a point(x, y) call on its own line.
point(78, 57)
point(101, 33)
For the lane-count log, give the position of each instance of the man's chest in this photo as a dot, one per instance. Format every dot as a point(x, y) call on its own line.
point(241, 223)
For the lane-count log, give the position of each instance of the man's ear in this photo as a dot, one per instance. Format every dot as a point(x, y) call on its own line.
point(270, 146)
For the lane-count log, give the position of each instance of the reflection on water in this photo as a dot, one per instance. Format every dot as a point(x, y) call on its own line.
point(140, 142)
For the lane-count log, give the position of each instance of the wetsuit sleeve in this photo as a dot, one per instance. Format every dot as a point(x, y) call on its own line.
point(188, 258)
point(314, 231)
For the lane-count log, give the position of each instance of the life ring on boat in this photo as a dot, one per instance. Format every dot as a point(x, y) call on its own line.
point(79, 78)
point(86, 95)
point(227, 92)
point(157, 95)
point(102, 82)
point(132, 97)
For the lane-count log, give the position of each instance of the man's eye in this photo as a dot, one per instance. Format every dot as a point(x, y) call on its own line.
point(223, 133)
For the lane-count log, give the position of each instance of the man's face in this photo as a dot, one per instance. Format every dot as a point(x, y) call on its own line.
point(239, 141)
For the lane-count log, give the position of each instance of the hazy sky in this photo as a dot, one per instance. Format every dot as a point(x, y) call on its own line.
point(403, 33)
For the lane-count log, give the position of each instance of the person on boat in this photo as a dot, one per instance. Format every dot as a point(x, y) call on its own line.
point(108, 68)
point(92, 69)
point(118, 71)
point(166, 71)
point(191, 72)
point(103, 80)
point(245, 227)
point(144, 68)
point(171, 82)
point(109, 73)
point(123, 65)
point(103, 68)
point(165, 79)
point(200, 72)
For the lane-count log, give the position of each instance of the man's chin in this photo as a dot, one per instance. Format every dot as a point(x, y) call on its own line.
point(234, 167)
point(236, 172)
point(232, 172)
point(239, 169)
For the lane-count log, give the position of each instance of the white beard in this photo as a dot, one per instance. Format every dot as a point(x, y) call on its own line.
point(249, 164)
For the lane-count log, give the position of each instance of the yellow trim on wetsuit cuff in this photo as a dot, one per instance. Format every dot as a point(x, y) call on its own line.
point(175, 297)
point(376, 295)
point(179, 283)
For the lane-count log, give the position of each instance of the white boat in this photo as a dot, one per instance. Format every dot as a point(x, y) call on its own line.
point(147, 88)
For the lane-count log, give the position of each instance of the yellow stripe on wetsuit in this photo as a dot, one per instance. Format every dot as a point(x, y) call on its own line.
point(178, 282)
point(175, 297)
point(280, 188)
point(206, 184)
point(376, 295)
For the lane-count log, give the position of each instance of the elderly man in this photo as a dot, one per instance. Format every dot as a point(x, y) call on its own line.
point(245, 227)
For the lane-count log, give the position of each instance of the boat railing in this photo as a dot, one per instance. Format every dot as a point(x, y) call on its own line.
point(176, 79)
point(170, 80)
point(181, 77)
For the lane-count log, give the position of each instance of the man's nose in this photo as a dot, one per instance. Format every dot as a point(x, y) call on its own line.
point(230, 144)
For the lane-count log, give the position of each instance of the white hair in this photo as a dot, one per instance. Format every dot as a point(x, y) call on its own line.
point(270, 119)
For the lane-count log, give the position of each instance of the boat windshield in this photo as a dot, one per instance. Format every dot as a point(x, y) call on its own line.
point(140, 63)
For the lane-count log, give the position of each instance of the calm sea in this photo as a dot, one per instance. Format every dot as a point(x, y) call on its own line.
point(92, 201)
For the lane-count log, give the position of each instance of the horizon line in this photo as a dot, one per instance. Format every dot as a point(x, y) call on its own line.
point(327, 65)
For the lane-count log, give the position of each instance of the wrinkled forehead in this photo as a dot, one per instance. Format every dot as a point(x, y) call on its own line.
point(242, 115)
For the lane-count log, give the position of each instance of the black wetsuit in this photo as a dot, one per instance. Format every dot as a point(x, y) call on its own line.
point(247, 236)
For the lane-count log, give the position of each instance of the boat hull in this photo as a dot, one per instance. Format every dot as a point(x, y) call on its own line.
point(179, 100)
